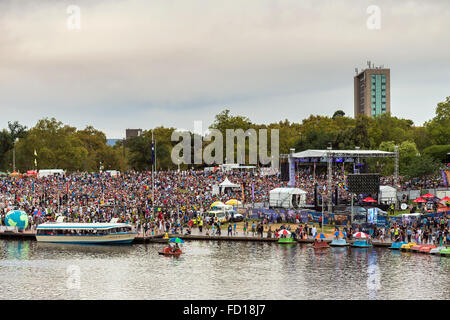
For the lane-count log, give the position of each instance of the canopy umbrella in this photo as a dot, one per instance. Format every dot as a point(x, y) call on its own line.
point(233, 202)
point(361, 235)
point(339, 234)
point(176, 240)
point(14, 174)
point(3, 174)
point(320, 236)
point(217, 203)
point(38, 212)
point(419, 199)
point(428, 195)
point(445, 199)
point(283, 232)
point(369, 199)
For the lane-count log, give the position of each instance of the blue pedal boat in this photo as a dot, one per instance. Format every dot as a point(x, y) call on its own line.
point(339, 243)
point(361, 244)
point(397, 245)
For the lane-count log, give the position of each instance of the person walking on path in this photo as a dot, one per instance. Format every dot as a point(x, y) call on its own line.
point(230, 230)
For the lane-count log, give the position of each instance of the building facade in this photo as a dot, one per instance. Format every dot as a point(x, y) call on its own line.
point(132, 133)
point(372, 92)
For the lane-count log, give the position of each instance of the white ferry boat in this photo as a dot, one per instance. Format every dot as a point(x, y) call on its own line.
point(88, 233)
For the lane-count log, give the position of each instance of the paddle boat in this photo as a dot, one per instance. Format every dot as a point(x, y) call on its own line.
point(320, 244)
point(173, 249)
point(361, 243)
point(285, 237)
point(339, 243)
point(426, 248)
point(286, 241)
point(436, 250)
point(397, 245)
point(408, 246)
point(422, 248)
point(445, 252)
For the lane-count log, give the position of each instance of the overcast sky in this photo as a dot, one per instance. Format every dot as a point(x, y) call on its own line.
point(145, 63)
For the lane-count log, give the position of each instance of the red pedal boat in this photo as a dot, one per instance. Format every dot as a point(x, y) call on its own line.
point(318, 244)
point(426, 248)
point(170, 252)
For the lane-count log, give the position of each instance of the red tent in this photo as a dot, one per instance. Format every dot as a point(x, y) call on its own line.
point(419, 199)
point(369, 199)
point(445, 199)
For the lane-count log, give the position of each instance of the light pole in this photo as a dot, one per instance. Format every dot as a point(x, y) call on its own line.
point(14, 155)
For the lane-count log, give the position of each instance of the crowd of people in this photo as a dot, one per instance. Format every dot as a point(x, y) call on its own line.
point(175, 199)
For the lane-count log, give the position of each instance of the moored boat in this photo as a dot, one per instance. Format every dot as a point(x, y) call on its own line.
point(361, 244)
point(436, 250)
point(445, 252)
point(408, 246)
point(397, 245)
point(339, 243)
point(286, 241)
point(320, 244)
point(85, 233)
point(426, 248)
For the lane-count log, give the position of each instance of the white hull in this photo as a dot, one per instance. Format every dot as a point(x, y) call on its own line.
point(110, 238)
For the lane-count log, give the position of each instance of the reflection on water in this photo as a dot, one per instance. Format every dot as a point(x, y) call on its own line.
point(218, 270)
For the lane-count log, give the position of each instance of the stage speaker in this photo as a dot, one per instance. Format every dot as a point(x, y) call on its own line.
point(363, 183)
point(284, 171)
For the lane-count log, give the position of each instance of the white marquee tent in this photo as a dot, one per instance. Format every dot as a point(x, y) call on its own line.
point(287, 197)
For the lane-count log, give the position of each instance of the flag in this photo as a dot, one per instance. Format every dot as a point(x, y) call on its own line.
point(35, 162)
point(35, 153)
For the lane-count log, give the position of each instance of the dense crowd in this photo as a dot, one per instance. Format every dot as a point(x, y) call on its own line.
point(178, 196)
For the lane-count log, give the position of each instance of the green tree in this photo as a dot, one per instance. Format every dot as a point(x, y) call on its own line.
point(439, 127)
point(437, 152)
point(421, 167)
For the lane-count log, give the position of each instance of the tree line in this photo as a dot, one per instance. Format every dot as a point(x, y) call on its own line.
point(52, 144)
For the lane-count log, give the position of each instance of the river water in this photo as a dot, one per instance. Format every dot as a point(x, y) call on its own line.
point(217, 270)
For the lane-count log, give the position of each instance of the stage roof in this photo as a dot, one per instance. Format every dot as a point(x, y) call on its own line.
point(343, 153)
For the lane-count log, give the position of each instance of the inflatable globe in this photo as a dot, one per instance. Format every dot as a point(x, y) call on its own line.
point(16, 218)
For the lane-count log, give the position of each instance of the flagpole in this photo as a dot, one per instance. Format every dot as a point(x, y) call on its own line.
point(153, 181)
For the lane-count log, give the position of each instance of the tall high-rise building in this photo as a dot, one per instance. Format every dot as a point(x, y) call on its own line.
point(372, 91)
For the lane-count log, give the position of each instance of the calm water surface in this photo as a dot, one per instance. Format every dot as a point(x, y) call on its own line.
point(217, 270)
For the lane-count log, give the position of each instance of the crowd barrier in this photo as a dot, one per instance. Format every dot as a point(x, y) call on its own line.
point(311, 216)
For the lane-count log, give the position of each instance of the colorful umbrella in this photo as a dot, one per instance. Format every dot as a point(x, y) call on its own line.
point(233, 202)
point(176, 240)
point(217, 203)
point(38, 212)
point(445, 199)
point(428, 195)
point(320, 236)
point(339, 234)
point(369, 199)
point(419, 199)
point(361, 235)
point(283, 232)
